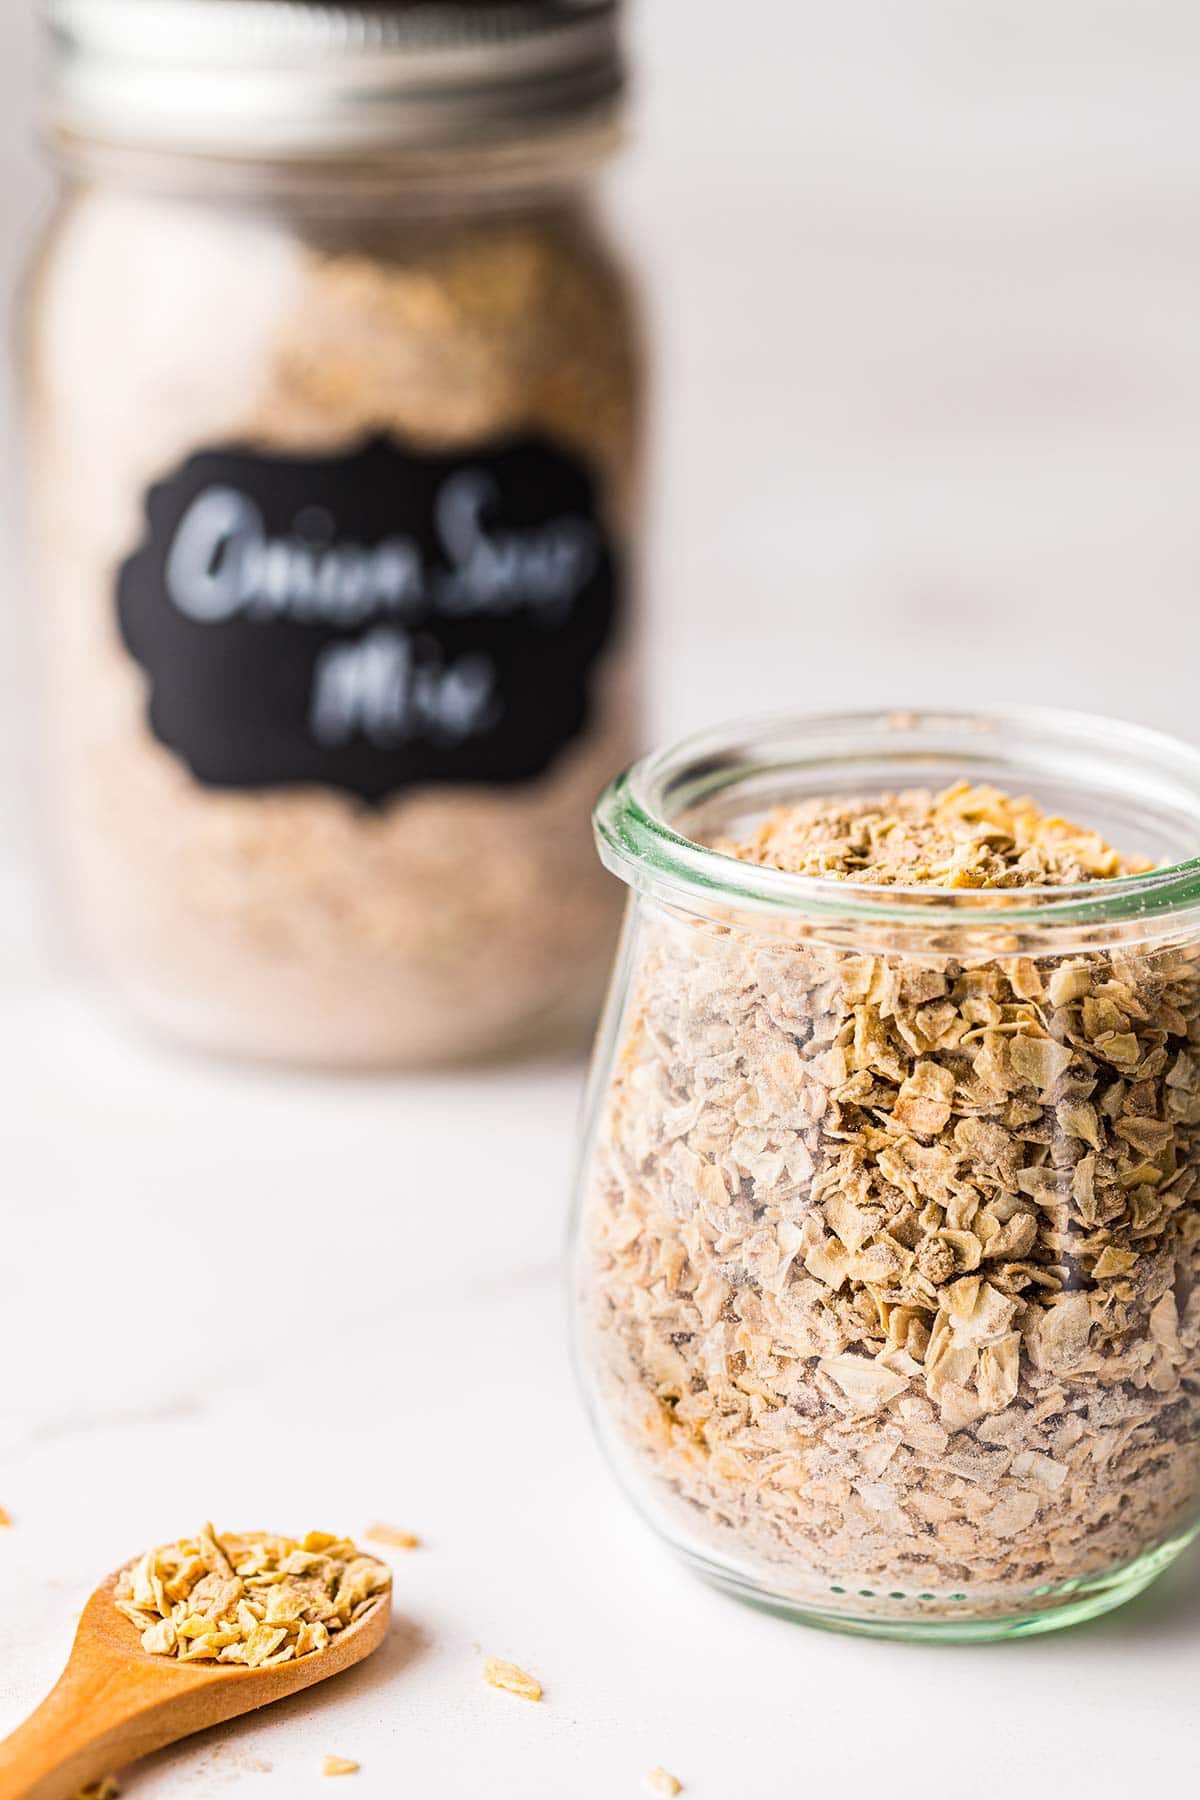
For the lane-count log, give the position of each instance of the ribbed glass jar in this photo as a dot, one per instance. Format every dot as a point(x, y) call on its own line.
point(888, 1230)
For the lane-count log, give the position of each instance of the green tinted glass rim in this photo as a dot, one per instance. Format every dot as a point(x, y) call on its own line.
point(638, 844)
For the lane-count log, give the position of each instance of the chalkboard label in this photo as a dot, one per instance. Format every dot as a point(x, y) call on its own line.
point(374, 620)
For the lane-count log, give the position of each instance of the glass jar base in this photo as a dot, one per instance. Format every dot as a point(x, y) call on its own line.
point(1049, 1608)
point(354, 1040)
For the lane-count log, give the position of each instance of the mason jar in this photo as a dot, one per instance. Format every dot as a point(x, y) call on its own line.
point(886, 1270)
point(333, 416)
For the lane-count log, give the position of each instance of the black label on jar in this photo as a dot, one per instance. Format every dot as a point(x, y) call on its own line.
point(371, 620)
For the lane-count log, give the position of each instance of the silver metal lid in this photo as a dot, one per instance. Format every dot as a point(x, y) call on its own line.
point(315, 78)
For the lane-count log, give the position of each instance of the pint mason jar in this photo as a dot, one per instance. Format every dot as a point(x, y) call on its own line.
point(888, 1232)
point(334, 440)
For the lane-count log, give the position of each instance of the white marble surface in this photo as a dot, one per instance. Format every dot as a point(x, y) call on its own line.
point(929, 418)
point(409, 1362)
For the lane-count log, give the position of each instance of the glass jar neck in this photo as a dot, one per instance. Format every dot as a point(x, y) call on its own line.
point(538, 169)
point(657, 824)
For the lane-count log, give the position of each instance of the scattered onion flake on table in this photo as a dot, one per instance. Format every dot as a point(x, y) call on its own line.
point(339, 1765)
point(514, 1680)
point(393, 1537)
point(248, 1597)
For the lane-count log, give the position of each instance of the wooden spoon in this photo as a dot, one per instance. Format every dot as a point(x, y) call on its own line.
point(114, 1703)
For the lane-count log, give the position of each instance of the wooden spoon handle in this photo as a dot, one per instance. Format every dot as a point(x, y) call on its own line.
point(114, 1704)
point(90, 1723)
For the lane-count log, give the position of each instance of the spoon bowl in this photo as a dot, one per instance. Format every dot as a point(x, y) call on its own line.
point(114, 1703)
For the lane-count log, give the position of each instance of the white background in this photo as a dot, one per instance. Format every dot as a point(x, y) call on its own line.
point(925, 281)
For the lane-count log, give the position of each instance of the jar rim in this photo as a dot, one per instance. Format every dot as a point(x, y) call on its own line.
point(638, 842)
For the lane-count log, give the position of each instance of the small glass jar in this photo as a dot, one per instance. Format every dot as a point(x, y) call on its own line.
point(334, 425)
point(887, 1259)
